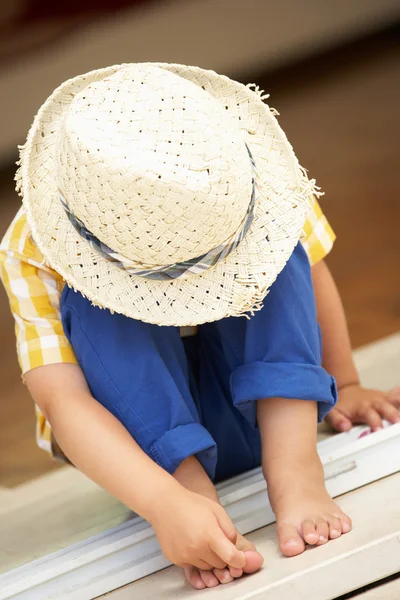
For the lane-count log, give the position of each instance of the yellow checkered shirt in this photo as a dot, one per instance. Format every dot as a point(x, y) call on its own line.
point(34, 291)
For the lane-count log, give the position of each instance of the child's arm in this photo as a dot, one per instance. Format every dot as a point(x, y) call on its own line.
point(355, 404)
point(90, 436)
point(190, 528)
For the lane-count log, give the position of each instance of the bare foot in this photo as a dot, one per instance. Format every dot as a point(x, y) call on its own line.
point(201, 579)
point(306, 514)
point(193, 477)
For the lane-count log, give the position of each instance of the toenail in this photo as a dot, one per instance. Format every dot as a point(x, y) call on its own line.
point(292, 543)
point(346, 527)
point(322, 538)
point(335, 532)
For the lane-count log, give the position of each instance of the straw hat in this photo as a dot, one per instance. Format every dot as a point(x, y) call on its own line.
point(163, 192)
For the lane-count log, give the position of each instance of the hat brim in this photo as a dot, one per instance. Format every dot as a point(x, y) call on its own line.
point(233, 287)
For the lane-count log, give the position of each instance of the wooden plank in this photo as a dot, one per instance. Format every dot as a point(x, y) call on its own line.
point(388, 591)
point(72, 507)
point(130, 551)
point(369, 553)
point(76, 509)
point(378, 363)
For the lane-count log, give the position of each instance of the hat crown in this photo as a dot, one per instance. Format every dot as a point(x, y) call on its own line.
point(153, 165)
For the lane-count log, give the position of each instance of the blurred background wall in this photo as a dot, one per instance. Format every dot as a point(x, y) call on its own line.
point(44, 42)
point(333, 70)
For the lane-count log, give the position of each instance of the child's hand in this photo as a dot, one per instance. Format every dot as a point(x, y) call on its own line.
point(357, 405)
point(194, 530)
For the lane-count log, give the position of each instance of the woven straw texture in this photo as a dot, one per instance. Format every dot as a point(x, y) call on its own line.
point(152, 159)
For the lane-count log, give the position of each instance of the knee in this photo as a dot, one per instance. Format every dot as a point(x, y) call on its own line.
point(177, 445)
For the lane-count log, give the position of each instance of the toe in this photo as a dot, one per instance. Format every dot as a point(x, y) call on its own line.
point(193, 576)
point(309, 532)
point(236, 573)
point(323, 531)
point(223, 575)
point(254, 560)
point(346, 523)
point(209, 579)
point(289, 539)
point(335, 527)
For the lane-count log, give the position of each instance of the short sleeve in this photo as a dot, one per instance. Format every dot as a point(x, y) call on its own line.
point(318, 237)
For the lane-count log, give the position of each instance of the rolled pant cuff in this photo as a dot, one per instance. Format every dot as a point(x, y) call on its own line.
point(184, 441)
point(282, 380)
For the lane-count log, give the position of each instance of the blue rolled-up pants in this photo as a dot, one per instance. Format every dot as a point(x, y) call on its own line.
point(197, 396)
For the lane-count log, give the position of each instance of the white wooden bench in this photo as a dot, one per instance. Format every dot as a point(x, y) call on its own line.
point(101, 548)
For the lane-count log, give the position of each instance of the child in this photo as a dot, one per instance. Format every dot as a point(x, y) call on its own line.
point(169, 196)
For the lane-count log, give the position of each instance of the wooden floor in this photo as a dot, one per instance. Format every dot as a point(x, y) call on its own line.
point(342, 117)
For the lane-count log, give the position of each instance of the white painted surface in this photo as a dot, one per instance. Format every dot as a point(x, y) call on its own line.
point(379, 363)
point(130, 551)
point(371, 551)
point(388, 591)
point(230, 36)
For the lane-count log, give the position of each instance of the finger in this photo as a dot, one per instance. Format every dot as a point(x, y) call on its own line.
point(338, 421)
point(226, 525)
point(389, 412)
point(209, 579)
point(309, 532)
point(198, 563)
point(394, 396)
point(395, 401)
point(227, 551)
point(213, 560)
point(372, 418)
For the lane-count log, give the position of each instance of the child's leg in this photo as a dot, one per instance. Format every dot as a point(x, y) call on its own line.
point(305, 513)
point(193, 477)
point(275, 355)
point(140, 373)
